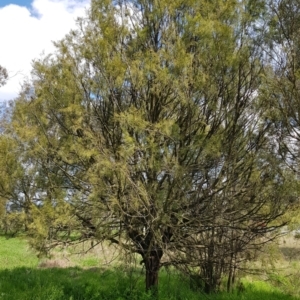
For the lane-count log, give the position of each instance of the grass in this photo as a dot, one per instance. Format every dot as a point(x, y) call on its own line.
point(79, 284)
point(91, 277)
point(15, 253)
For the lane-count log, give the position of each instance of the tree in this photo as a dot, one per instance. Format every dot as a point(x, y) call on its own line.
point(144, 129)
point(280, 88)
point(3, 76)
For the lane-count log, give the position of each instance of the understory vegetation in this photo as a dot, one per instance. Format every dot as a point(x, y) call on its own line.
point(104, 274)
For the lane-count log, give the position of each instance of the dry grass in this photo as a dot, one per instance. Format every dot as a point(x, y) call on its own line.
point(54, 263)
point(289, 246)
point(84, 255)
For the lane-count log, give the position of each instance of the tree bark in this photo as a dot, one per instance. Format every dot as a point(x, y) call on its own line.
point(152, 266)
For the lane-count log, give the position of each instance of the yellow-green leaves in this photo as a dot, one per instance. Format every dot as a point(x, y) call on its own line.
point(145, 124)
point(10, 168)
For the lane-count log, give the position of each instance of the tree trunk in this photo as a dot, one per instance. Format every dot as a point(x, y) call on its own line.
point(230, 274)
point(152, 265)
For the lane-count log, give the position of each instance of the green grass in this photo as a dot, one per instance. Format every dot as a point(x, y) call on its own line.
point(21, 278)
point(81, 284)
point(15, 252)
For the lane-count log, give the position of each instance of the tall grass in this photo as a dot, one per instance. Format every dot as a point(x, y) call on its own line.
point(81, 284)
point(22, 278)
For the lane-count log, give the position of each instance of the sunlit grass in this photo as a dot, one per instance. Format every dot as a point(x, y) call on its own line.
point(15, 252)
point(77, 283)
point(90, 277)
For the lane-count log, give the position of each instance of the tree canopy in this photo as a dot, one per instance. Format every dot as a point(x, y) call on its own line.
point(145, 128)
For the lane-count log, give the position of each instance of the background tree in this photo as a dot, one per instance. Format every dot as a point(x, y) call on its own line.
point(144, 129)
point(280, 87)
point(3, 76)
point(242, 184)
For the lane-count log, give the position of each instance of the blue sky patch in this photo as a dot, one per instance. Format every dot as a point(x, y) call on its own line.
point(17, 2)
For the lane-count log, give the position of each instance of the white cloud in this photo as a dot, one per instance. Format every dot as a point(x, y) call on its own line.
point(26, 33)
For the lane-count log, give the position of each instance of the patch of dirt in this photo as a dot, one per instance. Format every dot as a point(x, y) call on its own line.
point(54, 263)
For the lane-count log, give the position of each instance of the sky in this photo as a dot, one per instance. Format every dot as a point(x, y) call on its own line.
point(27, 29)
